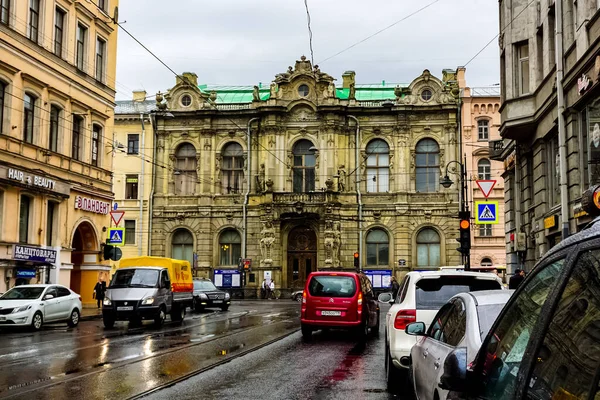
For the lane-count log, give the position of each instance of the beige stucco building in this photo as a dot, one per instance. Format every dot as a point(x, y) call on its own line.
point(480, 111)
point(300, 175)
point(57, 79)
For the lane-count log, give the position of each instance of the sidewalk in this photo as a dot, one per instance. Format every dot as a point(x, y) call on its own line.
point(88, 314)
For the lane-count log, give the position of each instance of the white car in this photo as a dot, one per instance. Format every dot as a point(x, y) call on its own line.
point(420, 297)
point(35, 305)
point(462, 322)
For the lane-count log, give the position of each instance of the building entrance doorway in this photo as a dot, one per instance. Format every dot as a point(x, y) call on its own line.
point(86, 263)
point(301, 255)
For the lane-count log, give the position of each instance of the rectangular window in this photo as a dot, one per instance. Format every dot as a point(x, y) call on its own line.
point(551, 38)
point(2, 96)
point(34, 20)
point(81, 44)
point(1, 213)
point(131, 187)
point(4, 12)
point(96, 135)
point(24, 213)
point(483, 130)
point(100, 59)
point(28, 117)
point(54, 117)
point(76, 137)
point(50, 221)
point(129, 231)
point(539, 41)
point(485, 230)
point(553, 171)
point(59, 31)
point(102, 4)
point(522, 66)
point(133, 143)
point(591, 121)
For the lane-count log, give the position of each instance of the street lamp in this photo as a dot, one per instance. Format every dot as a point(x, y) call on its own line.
point(464, 213)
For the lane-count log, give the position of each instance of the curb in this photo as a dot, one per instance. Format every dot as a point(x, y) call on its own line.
point(90, 317)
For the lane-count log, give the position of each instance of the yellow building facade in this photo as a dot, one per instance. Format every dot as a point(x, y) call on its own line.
point(57, 80)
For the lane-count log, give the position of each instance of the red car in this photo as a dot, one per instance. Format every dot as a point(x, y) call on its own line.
point(339, 300)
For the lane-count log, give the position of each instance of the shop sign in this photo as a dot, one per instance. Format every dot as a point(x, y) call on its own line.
point(509, 162)
point(583, 84)
point(25, 273)
point(29, 253)
point(578, 211)
point(550, 222)
point(92, 205)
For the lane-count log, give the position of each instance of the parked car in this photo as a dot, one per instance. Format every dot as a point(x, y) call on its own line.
point(148, 288)
point(35, 305)
point(545, 344)
point(420, 297)
point(462, 322)
point(206, 295)
point(297, 295)
point(339, 300)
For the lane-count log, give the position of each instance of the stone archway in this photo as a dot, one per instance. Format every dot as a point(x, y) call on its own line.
point(301, 255)
point(86, 262)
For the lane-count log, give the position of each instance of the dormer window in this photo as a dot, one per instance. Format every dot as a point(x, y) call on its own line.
point(303, 90)
point(186, 100)
point(426, 95)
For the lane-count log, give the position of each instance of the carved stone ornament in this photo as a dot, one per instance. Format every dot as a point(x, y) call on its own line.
point(266, 243)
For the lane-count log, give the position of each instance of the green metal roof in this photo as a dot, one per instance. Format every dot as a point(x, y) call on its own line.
point(243, 94)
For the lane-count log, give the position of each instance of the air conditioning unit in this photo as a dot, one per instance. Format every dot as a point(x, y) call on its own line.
point(521, 244)
point(9, 273)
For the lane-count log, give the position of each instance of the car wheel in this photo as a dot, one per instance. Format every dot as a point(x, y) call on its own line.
point(363, 331)
point(393, 375)
point(159, 320)
point(37, 321)
point(306, 333)
point(298, 297)
point(177, 313)
point(109, 322)
point(225, 308)
point(74, 319)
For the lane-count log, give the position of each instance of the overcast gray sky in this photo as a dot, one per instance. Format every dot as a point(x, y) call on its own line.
point(244, 42)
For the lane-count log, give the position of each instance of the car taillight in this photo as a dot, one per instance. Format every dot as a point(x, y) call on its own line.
point(404, 317)
point(304, 297)
point(360, 299)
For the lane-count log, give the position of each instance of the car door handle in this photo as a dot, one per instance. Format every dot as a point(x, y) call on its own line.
point(436, 364)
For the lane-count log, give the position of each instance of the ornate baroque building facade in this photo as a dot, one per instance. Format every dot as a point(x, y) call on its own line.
point(300, 175)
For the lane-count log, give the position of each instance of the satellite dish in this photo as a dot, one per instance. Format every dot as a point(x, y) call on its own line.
point(116, 15)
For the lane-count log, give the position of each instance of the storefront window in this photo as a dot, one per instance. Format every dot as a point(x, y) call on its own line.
point(593, 141)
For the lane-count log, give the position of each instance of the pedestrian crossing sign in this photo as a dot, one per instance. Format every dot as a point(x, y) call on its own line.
point(486, 212)
point(116, 236)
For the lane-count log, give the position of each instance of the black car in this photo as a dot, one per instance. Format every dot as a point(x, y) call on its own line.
point(206, 294)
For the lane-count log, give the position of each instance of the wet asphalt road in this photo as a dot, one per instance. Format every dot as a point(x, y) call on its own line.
point(93, 363)
point(332, 366)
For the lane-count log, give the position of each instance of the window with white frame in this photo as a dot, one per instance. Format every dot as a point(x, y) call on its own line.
point(427, 165)
point(483, 129)
point(484, 169)
point(133, 143)
point(378, 166)
point(130, 231)
point(34, 20)
point(485, 230)
point(428, 248)
point(378, 247)
point(522, 67)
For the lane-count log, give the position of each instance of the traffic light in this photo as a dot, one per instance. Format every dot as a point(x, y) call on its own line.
point(111, 252)
point(465, 232)
point(356, 260)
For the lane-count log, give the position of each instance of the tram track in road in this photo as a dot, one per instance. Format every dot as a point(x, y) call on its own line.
point(41, 384)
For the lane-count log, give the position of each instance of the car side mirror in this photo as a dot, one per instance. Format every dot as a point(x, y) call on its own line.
point(454, 377)
point(415, 329)
point(385, 298)
point(48, 297)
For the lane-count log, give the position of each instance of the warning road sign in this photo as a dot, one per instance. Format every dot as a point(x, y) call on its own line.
point(486, 212)
point(117, 216)
point(116, 236)
point(486, 186)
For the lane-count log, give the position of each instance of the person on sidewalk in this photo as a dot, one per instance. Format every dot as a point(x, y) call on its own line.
point(99, 292)
point(271, 289)
point(516, 279)
point(263, 289)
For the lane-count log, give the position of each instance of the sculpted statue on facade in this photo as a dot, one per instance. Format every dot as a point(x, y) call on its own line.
point(352, 92)
point(331, 90)
point(332, 243)
point(342, 178)
point(266, 242)
point(273, 90)
point(260, 179)
point(255, 94)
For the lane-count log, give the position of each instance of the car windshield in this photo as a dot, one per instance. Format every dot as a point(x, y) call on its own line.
point(135, 278)
point(432, 294)
point(204, 285)
point(487, 315)
point(23, 293)
point(332, 286)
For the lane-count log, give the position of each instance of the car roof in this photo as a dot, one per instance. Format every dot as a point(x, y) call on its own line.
point(489, 297)
point(591, 231)
point(41, 285)
point(333, 273)
point(132, 267)
point(437, 274)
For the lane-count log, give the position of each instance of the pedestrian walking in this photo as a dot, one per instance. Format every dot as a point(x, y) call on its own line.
point(99, 290)
point(271, 289)
point(263, 289)
point(516, 279)
point(395, 287)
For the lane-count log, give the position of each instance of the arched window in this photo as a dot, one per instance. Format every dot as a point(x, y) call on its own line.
point(378, 166)
point(96, 139)
point(428, 248)
point(427, 164)
point(486, 262)
point(185, 175)
point(232, 170)
point(230, 243)
point(378, 247)
point(182, 245)
point(484, 169)
point(304, 167)
point(483, 129)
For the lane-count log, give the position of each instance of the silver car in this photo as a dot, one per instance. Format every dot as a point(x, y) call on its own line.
point(462, 322)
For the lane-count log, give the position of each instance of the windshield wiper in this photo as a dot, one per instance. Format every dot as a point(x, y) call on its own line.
point(140, 285)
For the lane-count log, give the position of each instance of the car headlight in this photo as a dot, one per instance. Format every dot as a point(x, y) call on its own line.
point(107, 301)
point(148, 301)
point(203, 296)
point(226, 296)
point(21, 309)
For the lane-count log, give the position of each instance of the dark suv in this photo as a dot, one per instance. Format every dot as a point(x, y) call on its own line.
point(545, 344)
point(206, 295)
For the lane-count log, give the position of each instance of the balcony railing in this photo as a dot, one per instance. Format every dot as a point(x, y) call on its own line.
point(312, 197)
point(227, 107)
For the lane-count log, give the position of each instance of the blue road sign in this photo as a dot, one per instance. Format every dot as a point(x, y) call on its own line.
point(486, 212)
point(116, 236)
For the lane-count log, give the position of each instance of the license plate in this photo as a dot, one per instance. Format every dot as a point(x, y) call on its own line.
point(331, 313)
point(217, 301)
point(128, 308)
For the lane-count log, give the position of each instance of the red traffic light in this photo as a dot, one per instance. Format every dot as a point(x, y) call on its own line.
point(356, 255)
point(465, 224)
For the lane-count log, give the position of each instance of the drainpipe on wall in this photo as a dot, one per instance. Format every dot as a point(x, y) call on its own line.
point(357, 180)
point(562, 134)
point(151, 198)
point(141, 191)
point(248, 185)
